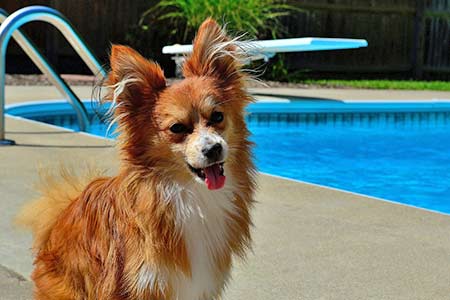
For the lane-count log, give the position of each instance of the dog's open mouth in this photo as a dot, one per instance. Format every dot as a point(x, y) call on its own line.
point(213, 175)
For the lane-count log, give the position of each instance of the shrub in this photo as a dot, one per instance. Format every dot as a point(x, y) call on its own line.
point(257, 18)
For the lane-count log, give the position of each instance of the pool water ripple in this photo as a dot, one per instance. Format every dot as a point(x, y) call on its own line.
point(409, 165)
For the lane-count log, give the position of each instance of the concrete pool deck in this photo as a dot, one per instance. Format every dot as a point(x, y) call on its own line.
point(311, 242)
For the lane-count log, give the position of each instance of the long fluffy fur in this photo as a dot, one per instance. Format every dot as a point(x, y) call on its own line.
point(130, 236)
point(57, 192)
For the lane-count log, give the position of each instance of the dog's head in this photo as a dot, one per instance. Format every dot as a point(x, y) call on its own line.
point(192, 129)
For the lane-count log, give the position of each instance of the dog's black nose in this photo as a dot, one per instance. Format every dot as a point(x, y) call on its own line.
point(213, 153)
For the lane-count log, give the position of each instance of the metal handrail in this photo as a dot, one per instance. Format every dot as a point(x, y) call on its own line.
point(10, 26)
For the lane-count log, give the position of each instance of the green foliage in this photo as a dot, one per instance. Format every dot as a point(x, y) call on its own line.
point(257, 18)
point(276, 69)
point(382, 84)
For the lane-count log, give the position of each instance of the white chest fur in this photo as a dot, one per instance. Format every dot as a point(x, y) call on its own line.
point(203, 216)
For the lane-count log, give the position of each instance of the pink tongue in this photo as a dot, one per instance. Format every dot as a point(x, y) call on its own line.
point(214, 180)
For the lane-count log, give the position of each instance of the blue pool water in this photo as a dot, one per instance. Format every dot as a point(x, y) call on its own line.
point(399, 152)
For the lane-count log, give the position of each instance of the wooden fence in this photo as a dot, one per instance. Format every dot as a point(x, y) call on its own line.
point(407, 38)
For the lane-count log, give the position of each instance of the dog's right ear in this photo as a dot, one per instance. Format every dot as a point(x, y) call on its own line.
point(135, 79)
point(214, 54)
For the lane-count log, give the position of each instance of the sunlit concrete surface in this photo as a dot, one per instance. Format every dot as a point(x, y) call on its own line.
point(310, 242)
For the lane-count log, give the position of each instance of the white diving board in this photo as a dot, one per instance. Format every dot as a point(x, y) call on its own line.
point(266, 49)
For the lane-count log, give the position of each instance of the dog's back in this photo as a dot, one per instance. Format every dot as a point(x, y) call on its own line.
point(57, 191)
point(61, 220)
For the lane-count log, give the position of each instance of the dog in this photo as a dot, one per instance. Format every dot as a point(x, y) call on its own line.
point(176, 215)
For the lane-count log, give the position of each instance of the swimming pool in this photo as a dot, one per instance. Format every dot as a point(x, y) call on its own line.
point(395, 151)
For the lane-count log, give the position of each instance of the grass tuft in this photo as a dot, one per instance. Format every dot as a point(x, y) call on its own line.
point(381, 84)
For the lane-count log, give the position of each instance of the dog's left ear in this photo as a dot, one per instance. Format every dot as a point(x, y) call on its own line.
point(214, 54)
point(138, 79)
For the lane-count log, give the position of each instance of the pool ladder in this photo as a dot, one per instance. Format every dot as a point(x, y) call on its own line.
point(10, 27)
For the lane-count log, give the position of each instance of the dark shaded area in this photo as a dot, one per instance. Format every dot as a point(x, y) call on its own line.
point(65, 146)
point(38, 132)
point(14, 286)
point(407, 38)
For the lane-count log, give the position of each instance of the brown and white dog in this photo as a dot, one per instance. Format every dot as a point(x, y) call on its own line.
point(169, 224)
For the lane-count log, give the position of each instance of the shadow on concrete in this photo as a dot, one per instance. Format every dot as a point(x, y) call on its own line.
point(14, 286)
point(65, 146)
point(39, 132)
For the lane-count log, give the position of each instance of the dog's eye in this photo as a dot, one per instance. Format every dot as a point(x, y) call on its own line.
point(178, 128)
point(216, 117)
